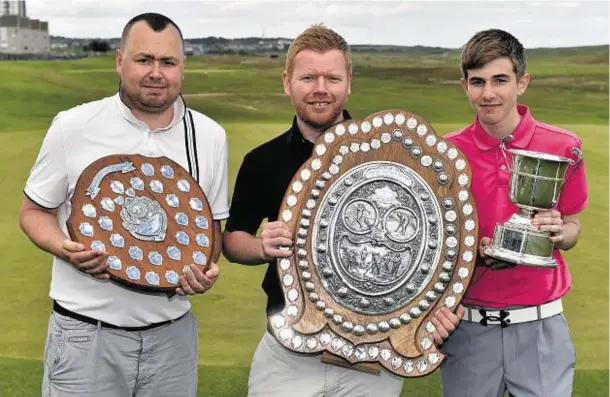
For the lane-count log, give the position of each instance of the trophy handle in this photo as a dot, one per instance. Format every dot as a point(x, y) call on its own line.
point(576, 163)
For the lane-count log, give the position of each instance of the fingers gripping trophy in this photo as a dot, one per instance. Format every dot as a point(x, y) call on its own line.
point(535, 184)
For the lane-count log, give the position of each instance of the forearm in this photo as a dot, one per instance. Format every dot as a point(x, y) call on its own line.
point(42, 229)
point(242, 247)
point(571, 231)
point(217, 248)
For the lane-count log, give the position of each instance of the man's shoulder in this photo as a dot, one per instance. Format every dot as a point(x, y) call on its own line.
point(459, 135)
point(271, 147)
point(556, 133)
point(206, 125)
point(83, 113)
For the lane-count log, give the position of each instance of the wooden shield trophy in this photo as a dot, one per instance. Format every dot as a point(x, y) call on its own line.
point(148, 214)
point(385, 233)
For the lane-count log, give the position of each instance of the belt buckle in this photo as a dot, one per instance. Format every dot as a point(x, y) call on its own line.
point(492, 319)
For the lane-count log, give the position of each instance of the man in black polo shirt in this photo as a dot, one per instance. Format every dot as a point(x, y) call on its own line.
point(317, 80)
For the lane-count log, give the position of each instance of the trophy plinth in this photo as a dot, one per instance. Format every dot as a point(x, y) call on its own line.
point(536, 182)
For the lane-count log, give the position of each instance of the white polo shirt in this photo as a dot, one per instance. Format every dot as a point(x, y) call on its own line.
point(80, 136)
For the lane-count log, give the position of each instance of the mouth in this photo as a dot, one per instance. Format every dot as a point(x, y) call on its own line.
point(491, 107)
point(319, 104)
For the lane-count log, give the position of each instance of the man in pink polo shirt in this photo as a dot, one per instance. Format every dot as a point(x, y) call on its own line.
point(514, 336)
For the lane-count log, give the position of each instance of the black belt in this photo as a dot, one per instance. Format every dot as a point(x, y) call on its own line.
point(65, 312)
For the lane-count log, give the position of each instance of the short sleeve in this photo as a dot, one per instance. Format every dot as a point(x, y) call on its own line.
point(218, 195)
point(574, 194)
point(47, 184)
point(247, 210)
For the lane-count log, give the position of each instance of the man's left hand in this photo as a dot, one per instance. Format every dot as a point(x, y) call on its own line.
point(445, 322)
point(195, 281)
point(550, 221)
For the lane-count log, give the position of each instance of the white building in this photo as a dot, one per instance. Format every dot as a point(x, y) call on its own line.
point(20, 34)
point(12, 7)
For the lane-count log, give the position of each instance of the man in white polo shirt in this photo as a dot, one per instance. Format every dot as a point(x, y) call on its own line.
point(104, 339)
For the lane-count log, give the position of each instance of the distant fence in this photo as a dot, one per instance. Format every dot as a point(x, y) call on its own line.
point(39, 57)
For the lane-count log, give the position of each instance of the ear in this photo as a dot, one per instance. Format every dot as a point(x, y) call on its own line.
point(464, 84)
point(524, 82)
point(349, 83)
point(286, 83)
point(118, 60)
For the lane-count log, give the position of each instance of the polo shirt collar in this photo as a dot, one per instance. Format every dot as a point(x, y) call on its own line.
point(522, 135)
point(125, 111)
point(295, 135)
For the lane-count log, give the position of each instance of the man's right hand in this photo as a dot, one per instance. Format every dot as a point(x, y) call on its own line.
point(275, 235)
point(91, 262)
point(492, 263)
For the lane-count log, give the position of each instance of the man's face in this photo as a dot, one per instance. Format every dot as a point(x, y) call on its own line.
point(318, 87)
point(493, 91)
point(151, 66)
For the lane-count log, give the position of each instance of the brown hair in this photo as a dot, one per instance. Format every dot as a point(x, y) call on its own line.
point(321, 39)
point(488, 45)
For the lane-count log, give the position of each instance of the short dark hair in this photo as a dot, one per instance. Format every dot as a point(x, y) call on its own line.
point(488, 45)
point(157, 22)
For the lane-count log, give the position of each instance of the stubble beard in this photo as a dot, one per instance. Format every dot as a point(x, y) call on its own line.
point(319, 124)
point(138, 103)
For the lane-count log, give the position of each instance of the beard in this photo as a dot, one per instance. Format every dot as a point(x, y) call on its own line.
point(318, 121)
point(150, 105)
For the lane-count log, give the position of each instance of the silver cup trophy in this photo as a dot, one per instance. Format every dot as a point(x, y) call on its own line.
point(535, 183)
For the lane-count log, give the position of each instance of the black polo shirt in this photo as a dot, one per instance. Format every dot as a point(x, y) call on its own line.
point(262, 181)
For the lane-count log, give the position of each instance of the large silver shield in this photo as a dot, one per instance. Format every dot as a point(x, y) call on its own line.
point(386, 233)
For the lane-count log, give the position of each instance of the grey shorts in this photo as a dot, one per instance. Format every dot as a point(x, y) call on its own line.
point(278, 372)
point(530, 359)
point(87, 360)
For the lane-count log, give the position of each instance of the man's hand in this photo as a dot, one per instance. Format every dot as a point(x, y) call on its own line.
point(91, 262)
point(550, 221)
point(492, 263)
point(276, 235)
point(195, 281)
point(445, 322)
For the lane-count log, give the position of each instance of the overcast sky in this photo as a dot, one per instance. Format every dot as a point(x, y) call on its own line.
point(429, 23)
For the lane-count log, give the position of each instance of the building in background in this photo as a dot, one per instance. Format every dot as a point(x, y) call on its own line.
point(20, 34)
point(13, 8)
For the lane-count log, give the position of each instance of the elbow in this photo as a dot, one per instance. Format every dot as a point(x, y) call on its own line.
point(226, 247)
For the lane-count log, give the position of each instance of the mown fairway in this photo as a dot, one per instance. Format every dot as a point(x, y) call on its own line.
point(245, 95)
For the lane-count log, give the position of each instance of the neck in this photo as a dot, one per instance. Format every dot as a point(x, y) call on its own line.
point(310, 133)
point(152, 120)
point(504, 128)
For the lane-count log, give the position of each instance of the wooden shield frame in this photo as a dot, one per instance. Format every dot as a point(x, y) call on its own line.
point(325, 309)
point(139, 210)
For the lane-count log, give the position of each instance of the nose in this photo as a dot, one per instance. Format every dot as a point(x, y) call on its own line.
point(155, 71)
point(321, 85)
point(488, 92)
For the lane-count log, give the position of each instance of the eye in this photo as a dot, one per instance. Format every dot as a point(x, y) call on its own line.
point(169, 63)
point(143, 60)
point(307, 78)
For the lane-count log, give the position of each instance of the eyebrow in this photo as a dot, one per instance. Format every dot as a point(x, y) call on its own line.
point(495, 76)
point(149, 56)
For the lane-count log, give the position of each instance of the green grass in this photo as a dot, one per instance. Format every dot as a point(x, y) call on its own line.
point(252, 110)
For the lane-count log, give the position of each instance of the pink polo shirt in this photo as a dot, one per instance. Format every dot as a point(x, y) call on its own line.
point(521, 285)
